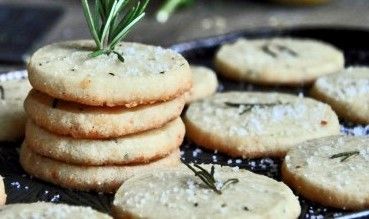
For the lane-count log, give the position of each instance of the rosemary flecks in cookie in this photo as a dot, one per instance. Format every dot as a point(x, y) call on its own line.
point(345, 155)
point(209, 179)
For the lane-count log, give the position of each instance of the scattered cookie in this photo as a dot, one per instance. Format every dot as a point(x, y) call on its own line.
point(2, 192)
point(97, 178)
point(256, 124)
point(178, 193)
point(81, 121)
point(347, 92)
point(278, 61)
point(12, 115)
point(133, 149)
point(44, 210)
point(204, 83)
point(148, 74)
point(332, 171)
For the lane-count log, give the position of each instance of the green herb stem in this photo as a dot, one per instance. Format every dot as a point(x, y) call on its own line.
point(169, 7)
point(208, 178)
point(345, 155)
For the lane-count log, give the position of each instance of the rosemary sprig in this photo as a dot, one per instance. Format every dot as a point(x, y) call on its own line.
point(249, 106)
point(107, 27)
point(2, 93)
point(267, 48)
point(208, 178)
point(345, 155)
point(169, 7)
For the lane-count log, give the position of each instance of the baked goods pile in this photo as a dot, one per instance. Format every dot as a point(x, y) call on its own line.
point(93, 123)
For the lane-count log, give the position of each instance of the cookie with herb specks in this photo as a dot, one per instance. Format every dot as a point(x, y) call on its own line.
point(278, 61)
point(138, 148)
point(332, 171)
point(2, 192)
point(257, 124)
point(106, 178)
point(12, 115)
point(178, 193)
point(148, 74)
point(82, 121)
point(204, 83)
point(347, 92)
point(45, 210)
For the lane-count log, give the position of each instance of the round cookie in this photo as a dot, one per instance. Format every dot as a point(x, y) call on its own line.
point(12, 115)
point(332, 171)
point(2, 192)
point(347, 92)
point(257, 124)
point(45, 210)
point(204, 83)
point(82, 121)
point(178, 193)
point(149, 74)
point(133, 149)
point(85, 178)
point(278, 61)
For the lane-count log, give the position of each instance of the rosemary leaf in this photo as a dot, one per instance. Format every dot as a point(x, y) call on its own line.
point(2, 91)
point(345, 155)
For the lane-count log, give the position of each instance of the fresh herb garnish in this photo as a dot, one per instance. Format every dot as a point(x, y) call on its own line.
point(267, 48)
point(345, 155)
point(208, 178)
point(249, 106)
point(2, 91)
point(55, 102)
point(169, 7)
point(106, 26)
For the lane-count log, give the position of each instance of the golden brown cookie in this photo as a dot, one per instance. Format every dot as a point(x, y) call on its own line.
point(332, 171)
point(85, 178)
point(278, 61)
point(347, 92)
point(257, 124)
point(149, 74)
point(178, 193)
point(2, 192)
point(204, 83)
point(82, 121)
point(138, 148)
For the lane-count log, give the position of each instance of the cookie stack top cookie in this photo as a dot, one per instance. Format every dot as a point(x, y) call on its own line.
point(148, 74)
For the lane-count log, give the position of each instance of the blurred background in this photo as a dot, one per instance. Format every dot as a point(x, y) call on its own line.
point(56, 20)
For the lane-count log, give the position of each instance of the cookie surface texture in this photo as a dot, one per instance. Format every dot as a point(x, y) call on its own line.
point(2, 192)
point(133, 149)
point(81, 121)
point(347, 92)
point(12, 115)
point(278, 61)
point(44, 210)
point(332, 171)
point(178, 193)
point(149, 74)
point(96, 178)
point(257, 124)
point(204, 83)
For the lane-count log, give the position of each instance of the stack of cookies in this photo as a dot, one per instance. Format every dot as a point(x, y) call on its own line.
point(95, 122)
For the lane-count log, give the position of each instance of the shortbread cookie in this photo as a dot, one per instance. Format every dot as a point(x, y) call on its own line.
point(45, 210)
point(276, 61)
point(347, 92)
point(97, 178)
point(81, 121)
point(256, 124)
point(12, 115)
point(332, 171)
point(204, 83)
point(2, 192)
point(137, 148)
point(178, 193)
point(148, 74)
